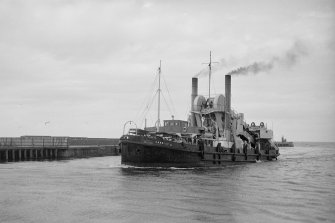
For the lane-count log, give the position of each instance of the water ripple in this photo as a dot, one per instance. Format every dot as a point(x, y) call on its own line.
point(296, 188)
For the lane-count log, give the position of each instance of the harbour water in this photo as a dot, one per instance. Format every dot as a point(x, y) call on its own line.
point(299, 187)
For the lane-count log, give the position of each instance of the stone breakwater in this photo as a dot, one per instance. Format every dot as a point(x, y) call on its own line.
point(48, 147)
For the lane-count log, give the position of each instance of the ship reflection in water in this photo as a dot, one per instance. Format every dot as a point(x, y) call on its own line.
point(296, 188)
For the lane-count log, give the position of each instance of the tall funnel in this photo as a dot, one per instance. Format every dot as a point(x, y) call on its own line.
point(227, 126)
point(193, 96)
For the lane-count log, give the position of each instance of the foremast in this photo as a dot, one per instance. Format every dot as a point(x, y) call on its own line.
point(210, 73)
point(158, 123)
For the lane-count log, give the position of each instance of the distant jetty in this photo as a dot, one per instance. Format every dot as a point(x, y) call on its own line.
point(50, 147)
point(284, 143)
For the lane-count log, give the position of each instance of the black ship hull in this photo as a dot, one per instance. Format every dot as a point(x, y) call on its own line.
point(137, 154)
point(161, 154)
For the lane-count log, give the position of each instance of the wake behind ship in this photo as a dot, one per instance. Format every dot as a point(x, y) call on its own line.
point(214, 135)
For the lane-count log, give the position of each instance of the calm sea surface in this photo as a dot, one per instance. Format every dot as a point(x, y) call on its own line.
point(299, 187)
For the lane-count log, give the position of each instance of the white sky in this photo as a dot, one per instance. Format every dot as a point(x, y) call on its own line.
point(86, 67)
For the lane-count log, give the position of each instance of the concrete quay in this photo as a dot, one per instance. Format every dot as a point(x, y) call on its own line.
point(52, 148)
point(15, 154)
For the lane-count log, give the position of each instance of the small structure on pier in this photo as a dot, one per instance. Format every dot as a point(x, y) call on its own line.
point(284, 143)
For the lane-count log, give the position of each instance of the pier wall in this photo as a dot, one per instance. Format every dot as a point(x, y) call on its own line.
point(89, 151)
point(23, 148)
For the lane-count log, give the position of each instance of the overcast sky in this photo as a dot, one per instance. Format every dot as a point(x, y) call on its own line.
point(84, 68)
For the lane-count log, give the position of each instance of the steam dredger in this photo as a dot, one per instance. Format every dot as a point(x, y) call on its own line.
point(214, 135)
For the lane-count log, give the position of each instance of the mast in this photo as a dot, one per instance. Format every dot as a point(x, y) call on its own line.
point(210, 73)
point(159, 95)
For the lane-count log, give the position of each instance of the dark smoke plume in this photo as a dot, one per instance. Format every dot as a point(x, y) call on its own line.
point(289, 59)
point(253, 68)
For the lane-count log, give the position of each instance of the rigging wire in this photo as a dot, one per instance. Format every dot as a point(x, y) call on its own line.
point(147, 108)
point(150, 98)
point(172, 104)
point(213, 86)
point(147, 99)
point(150, 101)
point(171, 113)
point(187, 112)
point(145, 103)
